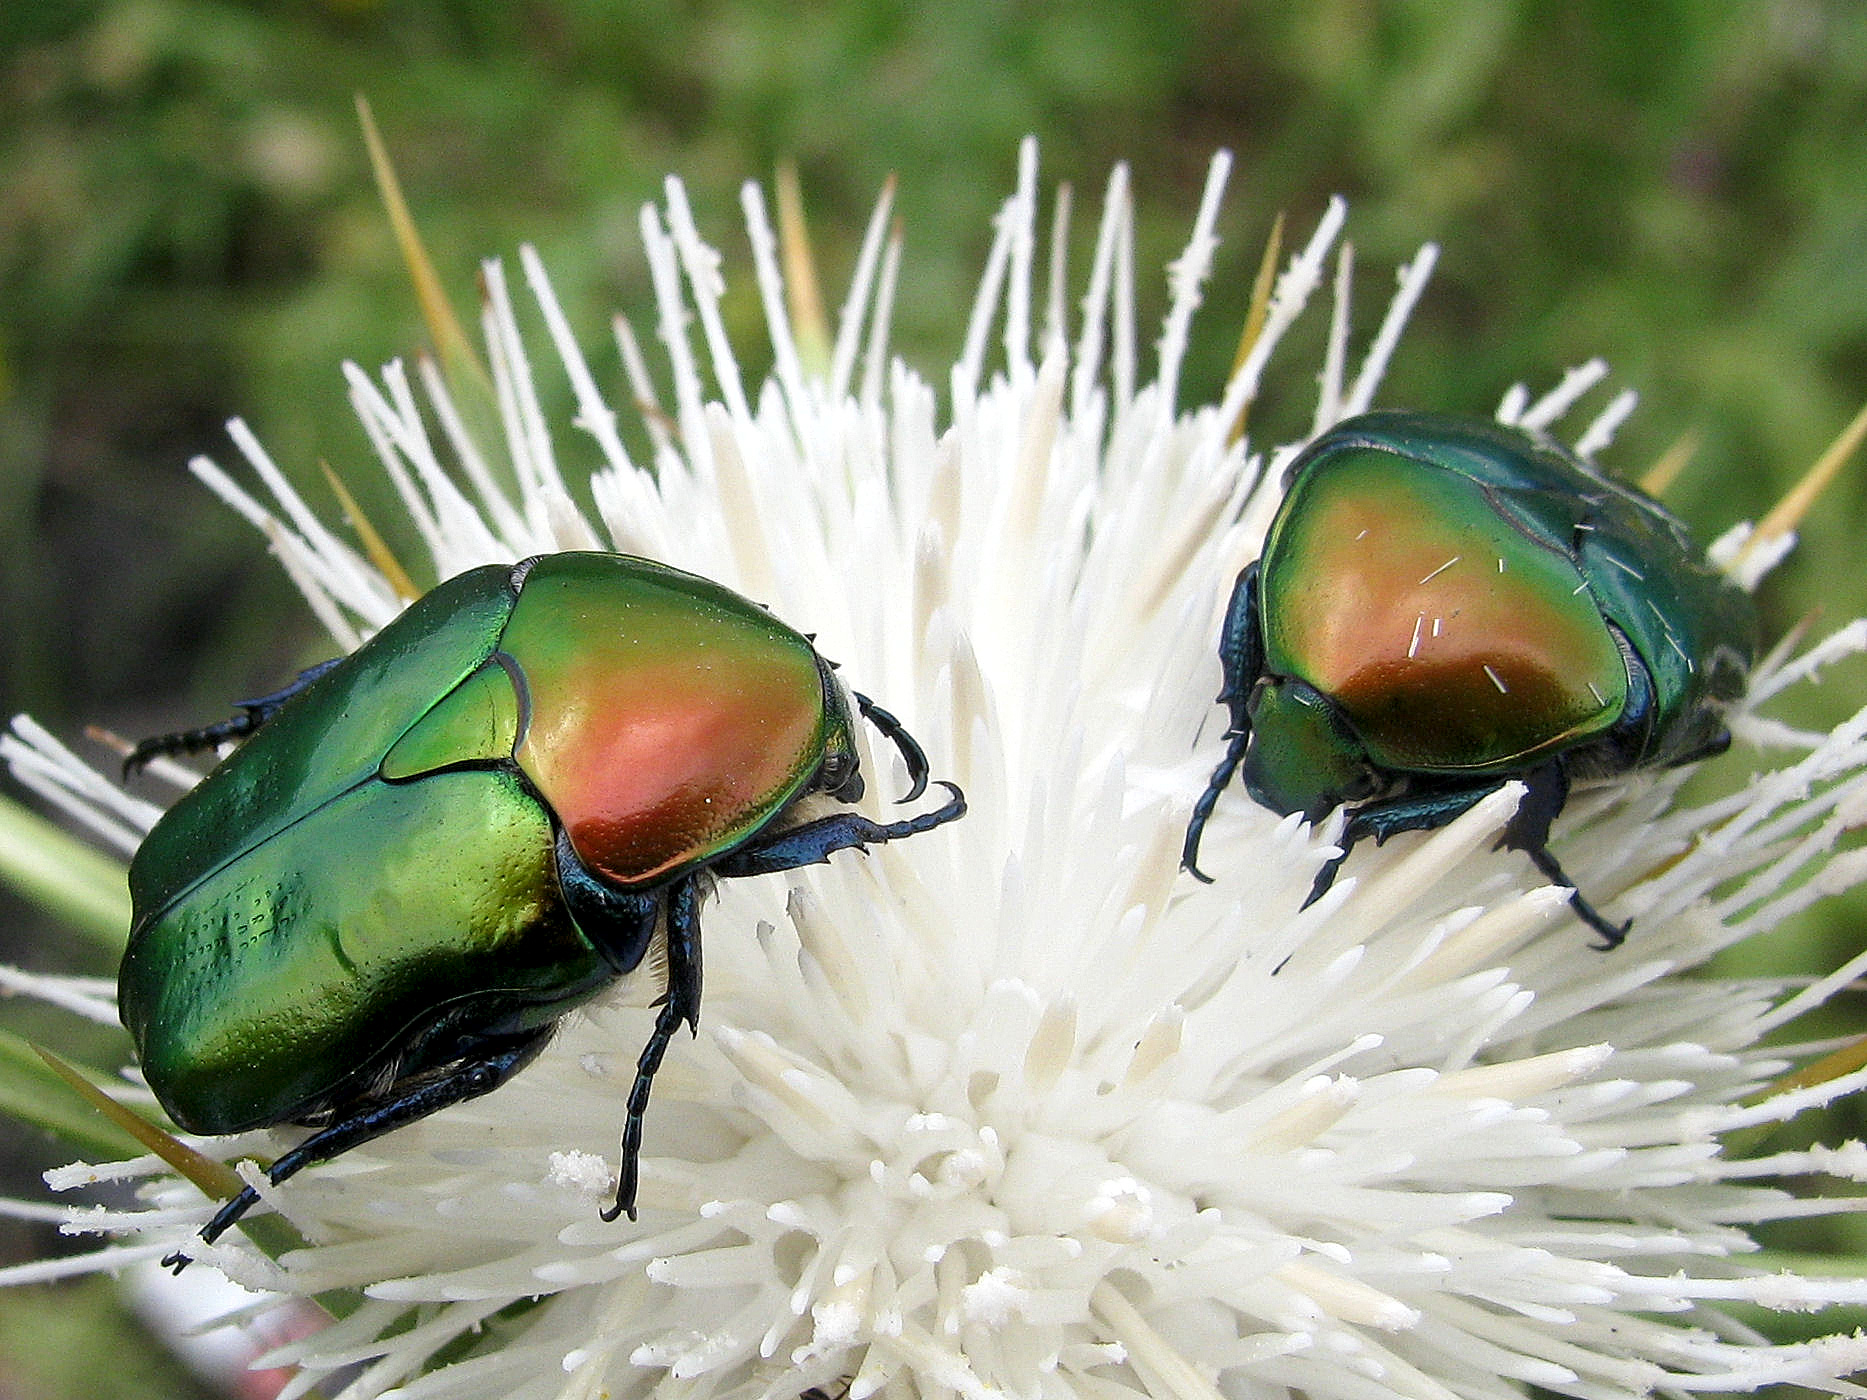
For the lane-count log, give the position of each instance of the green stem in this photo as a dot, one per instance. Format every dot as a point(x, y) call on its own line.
point(64, 876)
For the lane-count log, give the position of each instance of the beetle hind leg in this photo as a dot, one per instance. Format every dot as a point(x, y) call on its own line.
point(250, 715)
point(491, 1063)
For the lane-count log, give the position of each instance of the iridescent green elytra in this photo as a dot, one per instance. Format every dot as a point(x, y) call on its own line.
point(430, 850)
point(1445, 604)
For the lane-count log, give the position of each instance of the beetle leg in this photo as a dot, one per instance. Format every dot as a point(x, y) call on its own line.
point(893, 730)
point(1417, 812)
point(1237, 742)
point(814, 841)
point(1241, 662)
point(252, 714)
point(1241, 646)
point(1528, 831)
point(681, 1004)
point(620, 923)
point(805, 844)
point(483, 1069)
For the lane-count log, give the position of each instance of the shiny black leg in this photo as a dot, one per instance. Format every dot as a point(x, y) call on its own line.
point(681, 1004)
point(252, 714)
point(818, 840)
point(484, 1069)
point(1528, 831)
point(1241, 662)
point(1420, 812)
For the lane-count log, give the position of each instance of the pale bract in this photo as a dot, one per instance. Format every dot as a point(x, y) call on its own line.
point(1016, 1107)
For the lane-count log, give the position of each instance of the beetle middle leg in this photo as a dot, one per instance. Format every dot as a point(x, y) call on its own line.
point(251, 714)
point(682, 1003)
point(491, 1062)
point(1528, 831)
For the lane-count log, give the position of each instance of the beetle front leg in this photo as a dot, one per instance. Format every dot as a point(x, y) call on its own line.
point(815, 841)
point(1422, 812)
point(681, 1004)
point(1238, 740)
point(896, 733)
point(805, 844)
point(1241, 661)
point(480, 1072)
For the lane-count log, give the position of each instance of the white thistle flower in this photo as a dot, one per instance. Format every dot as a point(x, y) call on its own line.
point(1015, 1108)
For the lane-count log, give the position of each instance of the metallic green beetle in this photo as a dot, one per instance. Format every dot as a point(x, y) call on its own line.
point(1444, 605)
point(428, 851)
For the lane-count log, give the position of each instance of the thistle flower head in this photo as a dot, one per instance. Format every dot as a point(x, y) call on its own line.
point(1016, 1108)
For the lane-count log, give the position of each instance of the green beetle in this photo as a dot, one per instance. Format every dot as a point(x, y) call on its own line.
point(1445, 605)
point(428, 851)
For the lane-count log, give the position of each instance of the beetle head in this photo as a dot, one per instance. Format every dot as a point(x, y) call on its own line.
point(1304, 757)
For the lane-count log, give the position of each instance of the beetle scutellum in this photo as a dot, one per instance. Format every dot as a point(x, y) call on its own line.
point(1444, 605)
point(428, 851)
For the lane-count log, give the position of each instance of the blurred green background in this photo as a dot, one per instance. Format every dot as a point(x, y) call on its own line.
point(188, 231)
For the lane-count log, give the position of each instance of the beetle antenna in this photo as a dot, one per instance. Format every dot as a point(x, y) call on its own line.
point(892, 729)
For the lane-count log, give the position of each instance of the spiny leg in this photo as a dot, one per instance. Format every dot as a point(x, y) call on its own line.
point(479, 1072)
point(252, 714)
point(893, 730)
point(1528, 831)
point(1237, 741)
point(1417, 812)
point(818, 840)
point(800, 845)
point(1241, 662)
point(681, 1004)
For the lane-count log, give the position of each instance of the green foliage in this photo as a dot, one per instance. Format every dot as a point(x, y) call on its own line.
point(187, 229)
point(64, 876)
point(79, 1342)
